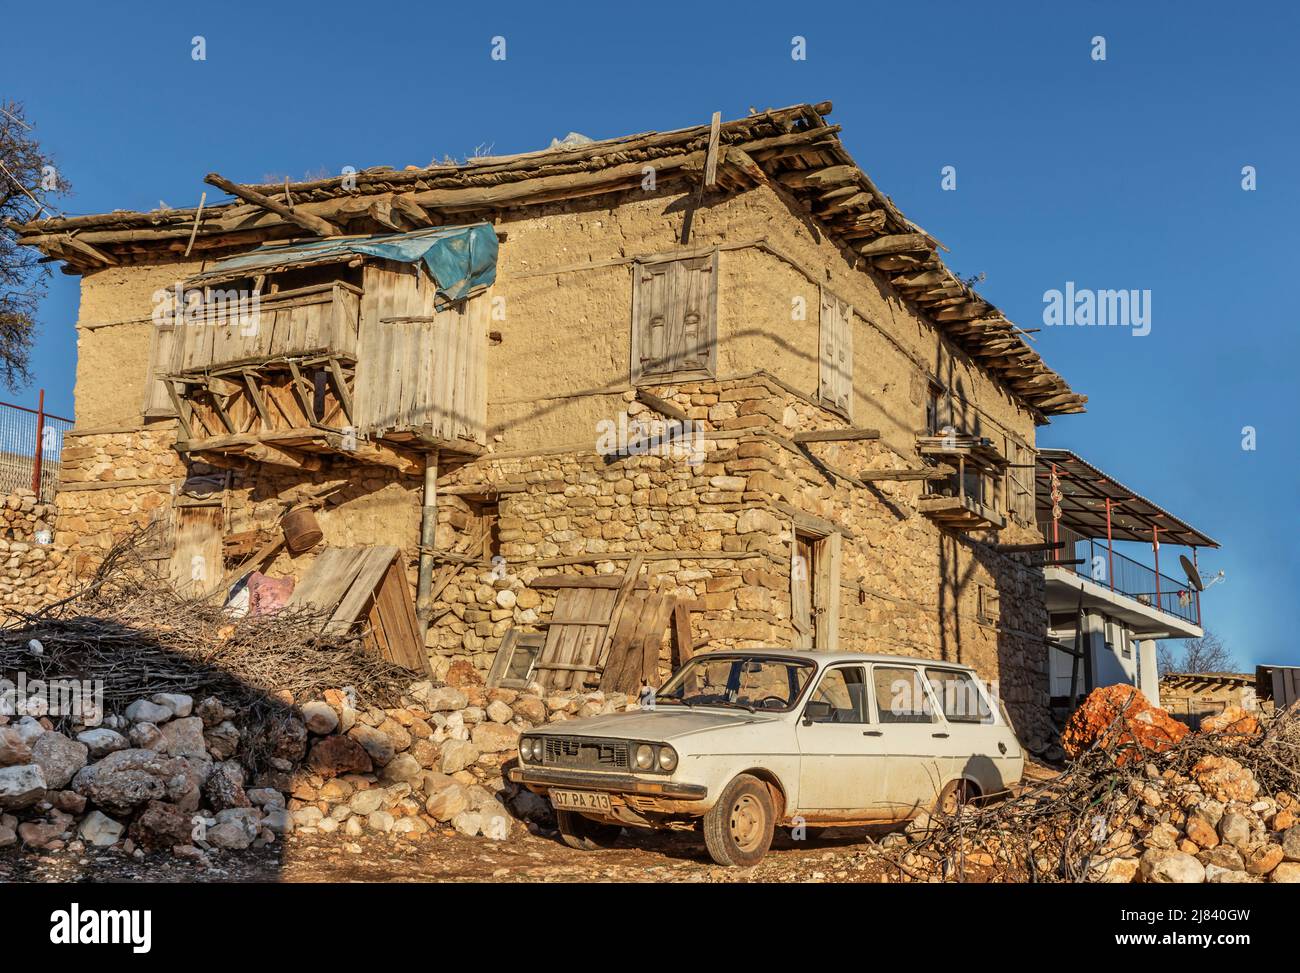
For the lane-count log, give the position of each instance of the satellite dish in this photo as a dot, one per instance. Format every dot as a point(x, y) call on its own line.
point(1193, 576)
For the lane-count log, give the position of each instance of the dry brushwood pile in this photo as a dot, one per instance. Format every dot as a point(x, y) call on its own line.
point(1220, 805)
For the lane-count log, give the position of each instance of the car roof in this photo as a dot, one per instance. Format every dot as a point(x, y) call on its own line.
point(822, 657)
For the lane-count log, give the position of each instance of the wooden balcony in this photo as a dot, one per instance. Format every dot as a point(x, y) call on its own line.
point(971, 498)
point(375, 375)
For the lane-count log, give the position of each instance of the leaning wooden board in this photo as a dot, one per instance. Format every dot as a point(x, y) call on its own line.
point(574, 636)
point(366, 584)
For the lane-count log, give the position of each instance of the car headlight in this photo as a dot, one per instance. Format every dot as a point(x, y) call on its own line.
point(667, 759)
point(645, 756)
point(530, 748)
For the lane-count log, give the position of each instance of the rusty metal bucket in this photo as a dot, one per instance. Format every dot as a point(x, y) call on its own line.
point(301, 531)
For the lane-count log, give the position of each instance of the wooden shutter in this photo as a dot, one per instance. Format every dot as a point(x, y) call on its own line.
point(162, 348)
point(674, 318)
point(835, 386)
point(1020, 481)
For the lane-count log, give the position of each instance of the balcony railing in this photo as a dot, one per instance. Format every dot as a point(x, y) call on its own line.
point(1126, 576)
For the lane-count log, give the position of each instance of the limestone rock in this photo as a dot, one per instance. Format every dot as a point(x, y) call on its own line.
point(320, 717)
point(1223, 779)
point(178, 704)
point(1162, 866)
point(495, 822)
point(468, 823)
point(98, 829)
point(1287, 872)
point(1233, 719)
point(21, 785)
point(222, 740)
point(101, 741)
point(1234, 829)
point(14, 749)
point(1291, 843)
point(146, 736)
point(184, 737)
point(128, 778)
point(446, 803)
point(444, 699)
point(375, 743)
point(367, 802)
point(403, 767)
point(144, 711)
point(457, 755)
point(494, 737)
point(1262, 859)
point(59, 758)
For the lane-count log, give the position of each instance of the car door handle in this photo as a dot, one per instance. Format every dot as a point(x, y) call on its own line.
point(941, 736)
point(873, 733)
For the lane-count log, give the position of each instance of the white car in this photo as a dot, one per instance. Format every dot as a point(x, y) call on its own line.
point(741, 741)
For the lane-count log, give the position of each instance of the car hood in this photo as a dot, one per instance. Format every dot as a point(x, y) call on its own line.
point(664, 723)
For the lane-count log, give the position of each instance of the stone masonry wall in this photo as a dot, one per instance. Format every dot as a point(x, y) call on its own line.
point(32, 572)
point(720, 532)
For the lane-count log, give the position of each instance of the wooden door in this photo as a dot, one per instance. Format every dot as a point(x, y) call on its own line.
point(802, 570)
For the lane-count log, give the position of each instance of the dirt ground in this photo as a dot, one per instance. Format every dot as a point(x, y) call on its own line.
point(841, 855)
point(834, 855)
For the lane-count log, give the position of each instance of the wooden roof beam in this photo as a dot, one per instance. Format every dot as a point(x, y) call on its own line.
point(313, 224)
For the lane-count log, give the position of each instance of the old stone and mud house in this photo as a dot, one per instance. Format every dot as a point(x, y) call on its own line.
point(609, 404)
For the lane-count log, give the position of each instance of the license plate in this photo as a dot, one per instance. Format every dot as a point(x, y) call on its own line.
point(580, 800)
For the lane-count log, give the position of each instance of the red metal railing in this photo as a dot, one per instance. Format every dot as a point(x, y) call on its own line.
point(31, 447)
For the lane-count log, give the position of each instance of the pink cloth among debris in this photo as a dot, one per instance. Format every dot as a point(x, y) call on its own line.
point(266, 596)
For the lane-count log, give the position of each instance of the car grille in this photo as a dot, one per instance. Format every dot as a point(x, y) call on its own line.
point(586, 752)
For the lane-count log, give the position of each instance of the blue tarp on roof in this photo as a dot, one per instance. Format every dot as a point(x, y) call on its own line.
point(462, 260)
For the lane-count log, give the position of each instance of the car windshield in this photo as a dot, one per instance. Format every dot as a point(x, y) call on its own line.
point(753, 682)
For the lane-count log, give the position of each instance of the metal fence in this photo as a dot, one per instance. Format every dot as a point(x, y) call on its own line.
point(31, 448)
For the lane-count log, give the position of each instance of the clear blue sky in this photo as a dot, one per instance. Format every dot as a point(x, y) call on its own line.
point(1117, 174)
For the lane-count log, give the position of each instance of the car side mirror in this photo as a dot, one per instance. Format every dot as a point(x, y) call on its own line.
point(817, 711)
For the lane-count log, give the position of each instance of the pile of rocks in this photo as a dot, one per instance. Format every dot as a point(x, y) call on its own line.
point(1212, 825)
point(1141, 802)
point(433, 762)
point(167, 773)
point(160, 775)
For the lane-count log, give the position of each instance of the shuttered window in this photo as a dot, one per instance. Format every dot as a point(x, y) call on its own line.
point(1020, 481)
point(674, 319)
point(835, 385)
point(162, 345)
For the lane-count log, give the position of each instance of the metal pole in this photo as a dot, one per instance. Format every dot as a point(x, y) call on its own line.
point(40, 438)
point(428, 532)
point(1155, 547)
point(1110, 549)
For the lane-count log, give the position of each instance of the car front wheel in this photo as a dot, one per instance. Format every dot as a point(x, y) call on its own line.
point(585, 834)
point(738, 829)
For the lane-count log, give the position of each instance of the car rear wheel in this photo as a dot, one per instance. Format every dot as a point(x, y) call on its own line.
point(954, 797)
point(585, 834)
point(738, 829)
